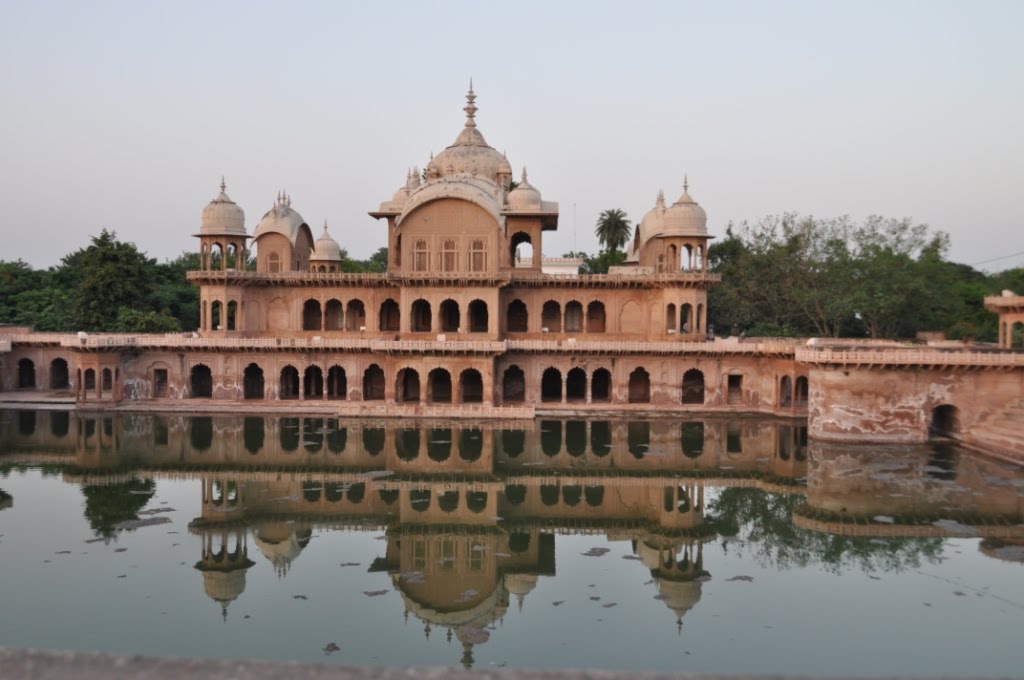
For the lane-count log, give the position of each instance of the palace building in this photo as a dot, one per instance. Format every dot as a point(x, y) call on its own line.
point(471, 320)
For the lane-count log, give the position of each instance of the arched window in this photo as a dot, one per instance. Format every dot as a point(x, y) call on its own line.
point(521, 253)
point(551, 317)
point(801, 392)
point(516, 317)
point(477, 256)
point(670, 317)
point(785, 392)
point(686, 319)
point(232, 315)
point(273, 263)
point(420, 257)
point(216, 316)
point(449, 256)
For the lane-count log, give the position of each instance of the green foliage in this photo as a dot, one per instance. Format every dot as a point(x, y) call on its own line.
point(600, 263)
point(138, 321)
point(613, 229)
point(376, 264)
point(113, 275)
point(882, 278)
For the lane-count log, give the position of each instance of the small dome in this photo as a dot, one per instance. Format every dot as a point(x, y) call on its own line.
point(222, 216)
point(469, 154)
point(281, 544)
point(280, 219)
point(524, 196)
point(679, 596)
point(504, 168)
point(326, 248)
point(685, 217)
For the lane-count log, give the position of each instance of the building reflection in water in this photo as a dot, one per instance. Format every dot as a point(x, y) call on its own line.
point(470, 511)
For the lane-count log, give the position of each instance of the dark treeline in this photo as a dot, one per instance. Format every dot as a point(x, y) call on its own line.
point(882, 278)
point(111, 286)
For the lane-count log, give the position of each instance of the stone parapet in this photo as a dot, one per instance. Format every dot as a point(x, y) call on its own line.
point(908, 356)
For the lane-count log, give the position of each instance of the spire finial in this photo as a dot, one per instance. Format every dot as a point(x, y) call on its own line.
point(325, 227)
point(686, 183)
point(470, 107)
point(223, 184)
point(524, 175)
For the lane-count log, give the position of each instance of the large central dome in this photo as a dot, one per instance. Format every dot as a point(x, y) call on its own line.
point(469, 154)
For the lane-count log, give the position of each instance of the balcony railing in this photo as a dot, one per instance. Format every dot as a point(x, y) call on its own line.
point(906, 356)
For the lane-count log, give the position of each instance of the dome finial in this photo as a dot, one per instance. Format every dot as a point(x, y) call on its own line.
point(686, 183)
point(223, 184)
point(524, 175)
point(325, 227)
point(470, 107)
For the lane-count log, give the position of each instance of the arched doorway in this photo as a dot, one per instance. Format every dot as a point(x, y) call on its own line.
point(693, 387)
point(601, 385)
point(450, 317)
point(639, 387)
point(26, 374)
point(355, 315)
point(59, 375)
point(200, 382)
point(288, 388)
point(574, 317)
point(390, 316)
point(439, 387)
point(407, 386)
point(478, 316)
point(513, 385)
point(551, 385)
point(595, 317)
point(802, 391)
point(311, 315)
point(420, 316)
point(471, 387)
point(373, 383)
point(945, 421)
point(516, 318)
point(785, 392)
point(334, 316)
point(337, 383)
point(576, 385)
point(252, 382)
point(313, 383)
point(551, 317)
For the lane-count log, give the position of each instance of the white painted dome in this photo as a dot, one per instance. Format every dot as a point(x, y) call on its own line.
point(524, 196)
point(685, 217)
point(222, 216)
point(326, 248)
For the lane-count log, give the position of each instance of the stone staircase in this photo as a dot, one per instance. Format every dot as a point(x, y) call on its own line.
point(1001, 433)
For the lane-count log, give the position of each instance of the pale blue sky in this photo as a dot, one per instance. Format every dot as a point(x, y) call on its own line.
point(125, 114)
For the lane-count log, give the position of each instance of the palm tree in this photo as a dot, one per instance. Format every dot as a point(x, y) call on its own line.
point(613, 229)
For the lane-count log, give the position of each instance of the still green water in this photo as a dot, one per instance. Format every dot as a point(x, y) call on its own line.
point(698, 546)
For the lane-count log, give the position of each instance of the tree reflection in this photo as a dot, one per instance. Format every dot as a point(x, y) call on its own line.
point(763, 523)
point(107, 505)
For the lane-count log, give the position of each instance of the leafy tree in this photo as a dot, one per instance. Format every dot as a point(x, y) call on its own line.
point(107, 505)
point(114, 274)
point(600, 263)
point(613, 229)
point(144, 321)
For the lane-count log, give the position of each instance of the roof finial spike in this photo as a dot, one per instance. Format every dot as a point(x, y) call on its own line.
point(470, 107)
point(686, 183)
point(524, 175)
point(223, 184)
point(325, 227)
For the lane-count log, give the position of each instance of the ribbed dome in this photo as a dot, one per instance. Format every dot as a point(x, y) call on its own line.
point(222, 216)
point(685, 217)
point(469, 154)
point(326, 248)
point(520, 584)
point(524, 196)
point(280, 219)
point(505, 168)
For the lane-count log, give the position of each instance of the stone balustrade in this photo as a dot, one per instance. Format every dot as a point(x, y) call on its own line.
point(910, 356)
